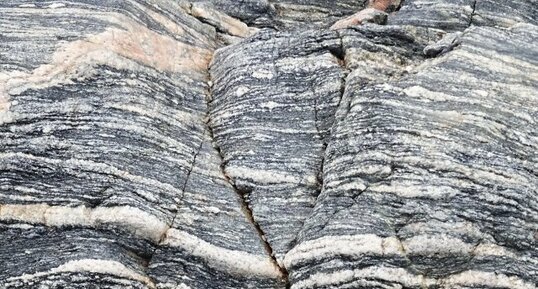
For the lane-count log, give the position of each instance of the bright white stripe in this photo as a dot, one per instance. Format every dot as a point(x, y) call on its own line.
point(6, 115)
point(350, 245)
point(408, 189)
point(403, 277)
point(223, 259)
point(266, 176)
point(173, 286)
point(133, 219)
point(488, 279)
point(428, 245)
point(358, 245)
point(397, 275)
point(493, 250)
point(89, 265)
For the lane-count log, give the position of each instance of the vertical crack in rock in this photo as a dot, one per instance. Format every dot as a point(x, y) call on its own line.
point(261, 147)
point(399, 6)
point(187, 178)
point(473, 13)
point(242, 193)
point(340, 55)
point(250, 216)
point(319, 176)
point(184, 186)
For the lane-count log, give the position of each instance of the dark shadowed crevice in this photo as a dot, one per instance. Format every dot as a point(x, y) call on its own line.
point(323, 138)
point(400, 5)
point(184, 186)
point(473, 13)
point(395, 7)
point(250, 216)
point(243, 193)
point(339, 53)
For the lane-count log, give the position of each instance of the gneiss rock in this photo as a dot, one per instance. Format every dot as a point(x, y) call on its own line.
point(456, 15)
point(188, 144)
point(273, 103)
point(446, 44)
point(375, 13)
point(107, 174)
point(370, 15)
point(430, 178)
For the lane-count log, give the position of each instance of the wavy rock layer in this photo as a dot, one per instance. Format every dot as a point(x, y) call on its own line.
point(241, 144)
point(420, 188)
point(108, 175)
point(260, 131)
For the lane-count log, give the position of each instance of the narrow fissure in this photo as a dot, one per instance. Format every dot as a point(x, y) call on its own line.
point(323, 138)
point(400, 5)
point(188, 177)
point(184, 186)
point(473, 13)
point(242, 193)
point(339, 54)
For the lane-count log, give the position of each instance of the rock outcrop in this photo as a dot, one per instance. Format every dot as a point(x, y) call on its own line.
point(245, 144)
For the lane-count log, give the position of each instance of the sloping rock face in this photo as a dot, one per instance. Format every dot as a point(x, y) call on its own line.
point(243, 144)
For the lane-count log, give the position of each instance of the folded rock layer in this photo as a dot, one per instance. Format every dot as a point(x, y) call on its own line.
point(244, 144)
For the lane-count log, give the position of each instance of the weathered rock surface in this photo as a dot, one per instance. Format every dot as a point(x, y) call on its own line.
point(244, 144)
point(287, 14)
point(430, 177)
point(273, 140)
point(108, 173)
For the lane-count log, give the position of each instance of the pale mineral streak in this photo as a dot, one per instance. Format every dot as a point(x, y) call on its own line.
point(246, 144)
point(374, 13)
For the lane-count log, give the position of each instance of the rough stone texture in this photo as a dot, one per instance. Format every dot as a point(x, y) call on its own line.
point(273, 140)
point(287, 14)
point(430, 178)
point(460, 14)
point(243, 144)
point(108, 175)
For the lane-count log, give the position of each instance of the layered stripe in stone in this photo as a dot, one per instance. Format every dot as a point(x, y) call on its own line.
point(457, 15)
point(211, 238)
point(450, 15)
point(288, 15)
point(274, 97)
point(35, 256)
point(430, 179)
point(106, 166)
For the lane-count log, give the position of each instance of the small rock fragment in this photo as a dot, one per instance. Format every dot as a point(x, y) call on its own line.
point(219, 20)
point(368, 15)
point(444, 45)
point(375, 13)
